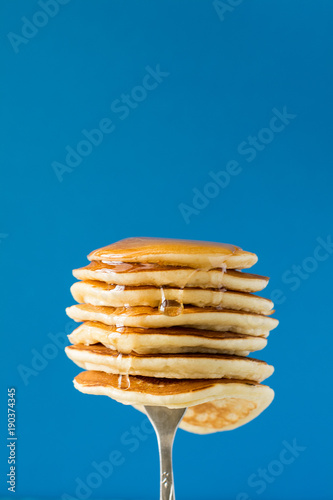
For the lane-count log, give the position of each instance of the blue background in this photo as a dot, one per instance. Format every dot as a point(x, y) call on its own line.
point(225, 78)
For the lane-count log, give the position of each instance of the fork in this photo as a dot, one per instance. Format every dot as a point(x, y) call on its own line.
point(165, 422)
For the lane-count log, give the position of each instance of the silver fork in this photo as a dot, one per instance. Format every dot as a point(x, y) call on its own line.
point(165, 422)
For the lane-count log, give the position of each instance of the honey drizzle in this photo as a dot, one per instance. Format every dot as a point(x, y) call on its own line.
point(176, 307)
point(123, 379)
point(170, 307)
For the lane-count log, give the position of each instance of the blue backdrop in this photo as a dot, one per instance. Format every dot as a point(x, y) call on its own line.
point(202, 120)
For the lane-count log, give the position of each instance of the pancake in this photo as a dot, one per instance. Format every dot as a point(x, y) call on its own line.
point(226, 413)
point(171, 323)
point(194, 317)
point(104, 294)
point(214, 405)
point(165, 340)
point(196, 254)
point(179, 277)
point(179, 366)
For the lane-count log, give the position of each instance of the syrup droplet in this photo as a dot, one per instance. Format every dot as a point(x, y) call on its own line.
point(123, 379)
point(119, 288)
point(116, 332)
point(124, 382)
point(171, 307)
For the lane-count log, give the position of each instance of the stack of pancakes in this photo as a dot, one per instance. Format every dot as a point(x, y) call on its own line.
point(171, 323)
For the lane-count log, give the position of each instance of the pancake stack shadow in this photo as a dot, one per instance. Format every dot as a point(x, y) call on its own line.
point(172, 323)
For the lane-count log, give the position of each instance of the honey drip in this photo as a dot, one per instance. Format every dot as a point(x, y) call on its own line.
point(123, 379)
point(124, 382)
point(171, 307)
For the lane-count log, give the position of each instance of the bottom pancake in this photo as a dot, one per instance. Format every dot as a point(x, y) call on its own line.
point(224, 414)
point(214, 405)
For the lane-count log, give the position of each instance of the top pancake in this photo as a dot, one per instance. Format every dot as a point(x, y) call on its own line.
point(163, 251)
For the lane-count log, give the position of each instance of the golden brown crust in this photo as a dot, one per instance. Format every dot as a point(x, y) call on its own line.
point(106, 351)
point(174, 330)
point(152, 385)
point(196, 254)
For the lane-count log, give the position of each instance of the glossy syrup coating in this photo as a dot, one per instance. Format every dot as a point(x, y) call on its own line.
point(196, 254)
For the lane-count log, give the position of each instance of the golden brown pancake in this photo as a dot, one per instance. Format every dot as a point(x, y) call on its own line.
point(233, 402)
point(165, 340)
point(99, 293)
point(198, 365)
point(193, 317)
point(135, 274)
point(196, 254)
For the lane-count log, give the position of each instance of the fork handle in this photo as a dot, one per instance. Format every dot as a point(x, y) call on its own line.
point(165, 422)
point(167, 490)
